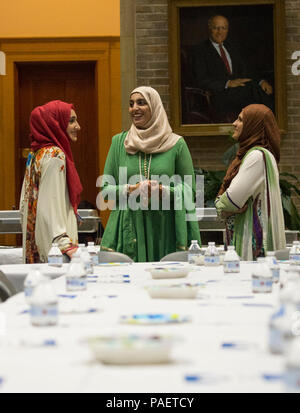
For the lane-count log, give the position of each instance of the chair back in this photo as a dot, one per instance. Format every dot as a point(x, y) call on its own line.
point(6, 288)
point(176, 256)
point(283, 254)
point(111, 256)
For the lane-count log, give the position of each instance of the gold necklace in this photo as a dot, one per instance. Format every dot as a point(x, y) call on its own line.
point(146, 173)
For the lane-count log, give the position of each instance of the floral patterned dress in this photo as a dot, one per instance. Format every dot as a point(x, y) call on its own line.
point(46, 213)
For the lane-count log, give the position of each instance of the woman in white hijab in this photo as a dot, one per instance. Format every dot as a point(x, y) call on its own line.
point(149, 174)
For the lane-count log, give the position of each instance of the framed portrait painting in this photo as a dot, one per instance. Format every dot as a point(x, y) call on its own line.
point(224, 55)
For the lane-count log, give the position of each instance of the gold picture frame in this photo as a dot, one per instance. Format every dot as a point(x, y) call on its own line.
point(249, 20)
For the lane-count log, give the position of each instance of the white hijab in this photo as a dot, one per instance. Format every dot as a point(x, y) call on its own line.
point(158, 136)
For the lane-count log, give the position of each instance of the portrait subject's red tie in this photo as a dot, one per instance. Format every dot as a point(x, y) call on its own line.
point(224, 58)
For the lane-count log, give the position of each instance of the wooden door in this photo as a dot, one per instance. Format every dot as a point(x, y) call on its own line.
point(72, 82)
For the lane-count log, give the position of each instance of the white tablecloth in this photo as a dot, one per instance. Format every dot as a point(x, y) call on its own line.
point(16, 274)
point(226, 312)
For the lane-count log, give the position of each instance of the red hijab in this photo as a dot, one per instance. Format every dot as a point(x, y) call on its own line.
point(259, 129)
point(48, 127)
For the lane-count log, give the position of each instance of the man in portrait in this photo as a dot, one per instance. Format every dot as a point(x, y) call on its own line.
point(219, 68)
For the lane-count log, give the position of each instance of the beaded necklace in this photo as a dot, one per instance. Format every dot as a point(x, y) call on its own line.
point(146, 173)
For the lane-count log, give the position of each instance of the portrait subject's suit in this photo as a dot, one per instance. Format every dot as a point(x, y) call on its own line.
point(210, 73)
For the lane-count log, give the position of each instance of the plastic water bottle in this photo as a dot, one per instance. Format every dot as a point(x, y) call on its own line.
point(93, 252)
point(33, 278)
point(80, 248)
point(55, 257)
point(85, 258)
point(76, 278)
point(44, 305)
point(211, 255)
point(273, 265)
point(262, 279)
point(280, 331)
point(291, 374)
point(295, 253)
point(194, 253)
point(289, 275)
point(231, 263)
point(283, 322)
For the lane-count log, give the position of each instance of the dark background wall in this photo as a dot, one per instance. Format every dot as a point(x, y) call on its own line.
point(151, 42)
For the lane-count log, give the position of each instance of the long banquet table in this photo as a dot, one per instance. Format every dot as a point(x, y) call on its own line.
point(224, 346)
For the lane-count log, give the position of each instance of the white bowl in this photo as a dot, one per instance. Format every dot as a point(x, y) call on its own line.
point(183, 290)
point(179, 271)
point(131, 349)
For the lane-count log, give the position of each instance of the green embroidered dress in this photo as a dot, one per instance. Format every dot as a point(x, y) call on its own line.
point(147, 234)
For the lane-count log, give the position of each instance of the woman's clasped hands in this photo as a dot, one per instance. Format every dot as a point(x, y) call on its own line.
point(147, 189)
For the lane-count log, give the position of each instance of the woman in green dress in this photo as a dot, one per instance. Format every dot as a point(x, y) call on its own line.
point(150, 177)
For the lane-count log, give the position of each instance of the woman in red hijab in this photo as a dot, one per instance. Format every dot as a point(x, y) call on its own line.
point(249, 198)
point(51, 187)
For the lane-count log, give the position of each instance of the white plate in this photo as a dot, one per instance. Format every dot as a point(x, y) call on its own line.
point(131, 349)
point(169, 272)
point(183, 290)
point(154, 318)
